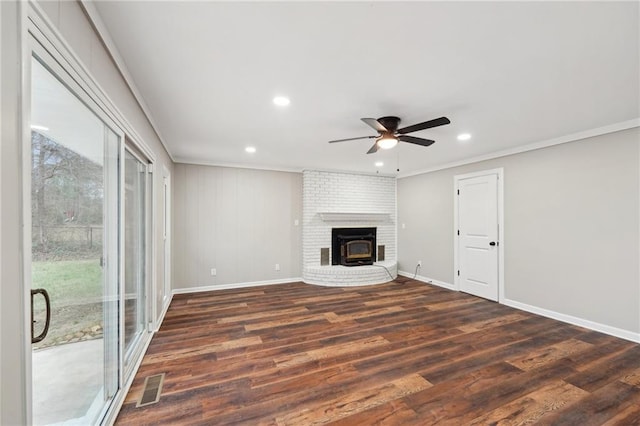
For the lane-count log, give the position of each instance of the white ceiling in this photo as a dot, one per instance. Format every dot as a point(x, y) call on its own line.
point(509, 73)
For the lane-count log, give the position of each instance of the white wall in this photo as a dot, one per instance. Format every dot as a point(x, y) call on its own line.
point(572, 225)
point(239, 221)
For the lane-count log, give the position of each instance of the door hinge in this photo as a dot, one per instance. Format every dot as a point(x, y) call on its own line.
point(458, 232)
point(458, 192)
point(458, 272)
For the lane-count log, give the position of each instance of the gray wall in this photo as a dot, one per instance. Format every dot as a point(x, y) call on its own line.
point(571, 227)
point(12, 339)
point(75, 28)
point(239, 221)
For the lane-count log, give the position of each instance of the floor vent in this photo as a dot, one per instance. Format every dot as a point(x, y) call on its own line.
point(151, 391)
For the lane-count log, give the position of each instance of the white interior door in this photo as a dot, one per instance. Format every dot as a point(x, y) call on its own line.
point(478, 235)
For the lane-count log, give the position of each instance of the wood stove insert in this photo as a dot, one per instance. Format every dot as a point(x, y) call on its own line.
point(353, 246)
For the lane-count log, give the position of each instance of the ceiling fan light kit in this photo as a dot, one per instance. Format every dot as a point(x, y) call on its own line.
point(387, 142)
point(389, 135)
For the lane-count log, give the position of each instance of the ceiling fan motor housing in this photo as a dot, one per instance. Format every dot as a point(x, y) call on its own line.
point(390, 123)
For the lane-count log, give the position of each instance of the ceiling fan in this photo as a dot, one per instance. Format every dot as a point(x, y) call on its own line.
point(389, 135)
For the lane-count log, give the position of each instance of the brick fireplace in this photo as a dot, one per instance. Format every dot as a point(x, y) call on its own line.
point(335, 203)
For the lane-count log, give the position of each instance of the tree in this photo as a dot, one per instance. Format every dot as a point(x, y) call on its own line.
point(67, 188)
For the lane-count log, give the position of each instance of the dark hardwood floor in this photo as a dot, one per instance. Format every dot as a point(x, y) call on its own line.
point(402, 353)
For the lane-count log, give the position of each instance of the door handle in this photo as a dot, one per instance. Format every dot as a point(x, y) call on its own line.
point(47, 302)
point(492, 243)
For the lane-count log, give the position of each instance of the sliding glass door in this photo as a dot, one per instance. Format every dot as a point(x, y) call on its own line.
point(87, 257)
point(74, 255)
point(135, 253)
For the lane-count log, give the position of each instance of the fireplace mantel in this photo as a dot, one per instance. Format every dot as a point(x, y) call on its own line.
point(354, 217)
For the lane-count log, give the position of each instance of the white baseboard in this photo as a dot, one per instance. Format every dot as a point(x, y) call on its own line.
point(591, 325)
point(235, 285)
point(428, 280)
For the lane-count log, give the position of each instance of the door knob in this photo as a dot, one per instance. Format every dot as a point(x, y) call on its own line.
point(492, 243)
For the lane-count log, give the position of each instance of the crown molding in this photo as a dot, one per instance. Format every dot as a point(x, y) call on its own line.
point(624, 125)
point(197, 162)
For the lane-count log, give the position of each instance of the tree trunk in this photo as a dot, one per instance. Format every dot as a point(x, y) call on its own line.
point(40, 185)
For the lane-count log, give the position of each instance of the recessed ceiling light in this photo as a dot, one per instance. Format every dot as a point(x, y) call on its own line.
point(379, 164)
point(464, 136)
point(250, 149)
point(281, 101)
point(36, 127)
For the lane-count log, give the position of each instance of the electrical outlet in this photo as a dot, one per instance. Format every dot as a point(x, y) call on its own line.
point(277, 266)
point(214, 272)
point(420, 263)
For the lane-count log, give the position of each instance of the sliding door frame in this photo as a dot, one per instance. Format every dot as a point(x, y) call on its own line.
point(40, 37)
point(149, 259)
point(166, 249)
point(39, 52)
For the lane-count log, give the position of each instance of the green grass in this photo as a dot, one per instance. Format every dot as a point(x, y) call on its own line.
point(69, 282)
point(75, 289)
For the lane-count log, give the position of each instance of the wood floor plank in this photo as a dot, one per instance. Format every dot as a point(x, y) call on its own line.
point(327, 299)
point(284, 322)
point(464, 407)
point(333, 317)
point(600, 374)
point(262, 315)
point(533, 406)
point(355, 402)
point(329, 351)
point(401, 353)
point(189, 351)
point(452, 304)
point(391, 413)
point(214, 298)
point(599, 407)
point(435, 400)
point(625, 417)
point(550, 353)
point(632, 378)
point(492, 322)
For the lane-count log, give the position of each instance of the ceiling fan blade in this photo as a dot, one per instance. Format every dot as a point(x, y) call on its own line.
point(426, 125)
point(375, 124)
point(414, 140)
point(373, 149)
point(353, 139)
